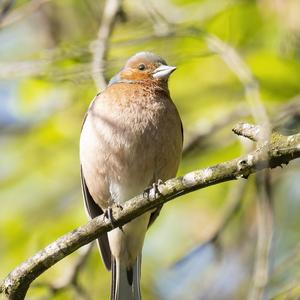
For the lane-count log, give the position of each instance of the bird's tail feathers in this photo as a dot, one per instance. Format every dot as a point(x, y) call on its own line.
point(125, 283)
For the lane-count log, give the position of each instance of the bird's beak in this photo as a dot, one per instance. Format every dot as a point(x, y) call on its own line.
point(163, 72)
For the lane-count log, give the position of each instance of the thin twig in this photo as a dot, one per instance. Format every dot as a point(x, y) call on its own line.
point(234, 197)
point(201, 135)
point(287, 112)
point(264, 201)
point(100, 47)
point(70, 278)
point(233, 204)
point(234, 61)
point(22, 12)
point(162, 27)
point(6, 7)
point(252, 132)
point(264, 238)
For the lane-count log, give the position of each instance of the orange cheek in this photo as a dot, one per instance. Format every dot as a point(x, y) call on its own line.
point(134, 75)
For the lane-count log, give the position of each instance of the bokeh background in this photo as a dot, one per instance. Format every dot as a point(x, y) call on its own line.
point(204, 244)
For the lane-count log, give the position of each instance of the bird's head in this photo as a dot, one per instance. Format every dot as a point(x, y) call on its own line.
point(144, 66)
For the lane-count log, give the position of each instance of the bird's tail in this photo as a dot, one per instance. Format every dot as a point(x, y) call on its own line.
point(125, 284)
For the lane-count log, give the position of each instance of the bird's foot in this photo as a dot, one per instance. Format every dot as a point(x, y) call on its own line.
point(108, 214)
point(153, 190)
point(119, 205)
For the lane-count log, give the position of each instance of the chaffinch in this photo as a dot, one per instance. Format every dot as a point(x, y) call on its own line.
point(131, 137)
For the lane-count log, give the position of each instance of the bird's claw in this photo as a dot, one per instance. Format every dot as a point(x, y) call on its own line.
point(154, 188)
point(109, 215)
point(119, 205)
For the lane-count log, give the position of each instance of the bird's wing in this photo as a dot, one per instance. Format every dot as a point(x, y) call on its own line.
point(89, 108)
point(154, 215)
point(182, 134)
point(93, 211)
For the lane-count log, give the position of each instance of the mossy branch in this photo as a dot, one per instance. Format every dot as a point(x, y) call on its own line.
point(278, 151)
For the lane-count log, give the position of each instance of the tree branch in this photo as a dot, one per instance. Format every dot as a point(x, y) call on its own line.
point(278, 151)
point(264, 200)
point(6, 7)
point(252, 132)
point(99, 48)
point(70, 277)
point(198, 139)
point(22, 12)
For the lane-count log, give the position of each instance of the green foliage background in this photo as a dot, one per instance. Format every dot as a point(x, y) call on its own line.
point(46, 87)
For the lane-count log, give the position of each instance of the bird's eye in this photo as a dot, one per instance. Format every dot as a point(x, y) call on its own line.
point(141, 67)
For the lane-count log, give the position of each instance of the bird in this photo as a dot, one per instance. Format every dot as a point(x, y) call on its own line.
point(131, 138)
